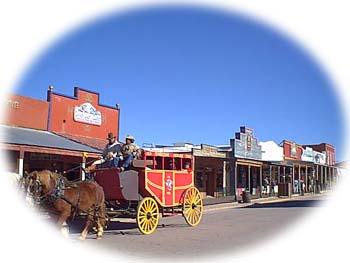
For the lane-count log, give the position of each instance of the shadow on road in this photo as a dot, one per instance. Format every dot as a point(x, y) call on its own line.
point(78, 225)
point(117, 227)
point(287, 204)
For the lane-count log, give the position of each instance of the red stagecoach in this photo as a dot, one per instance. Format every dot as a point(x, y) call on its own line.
point(155, 184)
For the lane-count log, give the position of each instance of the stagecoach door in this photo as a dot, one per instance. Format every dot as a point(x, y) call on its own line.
point(169, 188)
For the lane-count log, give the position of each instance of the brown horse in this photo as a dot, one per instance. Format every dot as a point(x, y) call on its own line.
point(63, 199)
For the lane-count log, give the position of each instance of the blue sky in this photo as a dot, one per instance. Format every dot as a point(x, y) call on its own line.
point(183, 74)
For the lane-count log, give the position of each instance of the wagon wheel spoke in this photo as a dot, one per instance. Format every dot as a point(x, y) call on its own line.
point(147, 215)
point(192, 208)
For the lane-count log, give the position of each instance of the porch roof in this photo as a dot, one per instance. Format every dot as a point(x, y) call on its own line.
point(39, 138)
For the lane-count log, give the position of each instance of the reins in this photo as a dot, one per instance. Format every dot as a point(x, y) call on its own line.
point(76, 168)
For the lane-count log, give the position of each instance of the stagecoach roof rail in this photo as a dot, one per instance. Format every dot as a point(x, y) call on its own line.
point(168, 154)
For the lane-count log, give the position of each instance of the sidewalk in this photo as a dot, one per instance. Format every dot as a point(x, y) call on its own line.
point(220, 204)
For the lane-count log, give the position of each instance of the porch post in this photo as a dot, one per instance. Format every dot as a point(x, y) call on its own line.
point(306, 180)
point(279, 175)
point(299, 171)
point(83, 162)
point(224, 177)
point(260, 174)
point(293, 171)
point(21, 162)
point(322, 169)
point(249, 178)
point(235, 186)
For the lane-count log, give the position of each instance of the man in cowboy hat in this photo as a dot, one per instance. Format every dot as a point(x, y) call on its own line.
point(111, 155)
point(130, 151)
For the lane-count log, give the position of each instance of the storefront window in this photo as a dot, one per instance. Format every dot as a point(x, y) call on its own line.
point(199, 179)
point(242, 176)
point(219, 180)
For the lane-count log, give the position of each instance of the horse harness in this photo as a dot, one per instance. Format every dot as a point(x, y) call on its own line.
point(57, 193)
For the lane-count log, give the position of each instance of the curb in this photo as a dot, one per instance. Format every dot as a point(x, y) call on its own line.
point(216, 207)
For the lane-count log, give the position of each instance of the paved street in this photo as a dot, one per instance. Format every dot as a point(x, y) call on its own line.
point(223, 227)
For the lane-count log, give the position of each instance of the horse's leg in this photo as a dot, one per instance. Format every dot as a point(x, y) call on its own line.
point(65, 229)
point(104, 221)
point(89, 222)
point(61, 223)
point(99, 229)
point(101, 220)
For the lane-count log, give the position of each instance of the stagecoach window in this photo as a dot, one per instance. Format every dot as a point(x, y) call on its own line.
point(169, 163)
point(152, 165)
point(186, 163)
point(177, 164)
point(159, 163)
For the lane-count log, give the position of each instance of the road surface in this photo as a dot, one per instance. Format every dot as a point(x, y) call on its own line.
point(221, 229)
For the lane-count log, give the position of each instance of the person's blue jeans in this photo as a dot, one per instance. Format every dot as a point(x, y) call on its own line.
point(111, 163)
point(127, 160)
point(296, 186)
point(116, 161)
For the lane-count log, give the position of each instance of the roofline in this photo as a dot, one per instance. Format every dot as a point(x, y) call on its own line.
point(325, 143)
point(76, 97)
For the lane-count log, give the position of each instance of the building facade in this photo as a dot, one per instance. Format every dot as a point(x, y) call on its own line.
point(247, 156)
point(82, 118)
point(325, 171)
point(58, 134)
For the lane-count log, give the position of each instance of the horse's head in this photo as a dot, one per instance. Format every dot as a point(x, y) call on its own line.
point(40, 183)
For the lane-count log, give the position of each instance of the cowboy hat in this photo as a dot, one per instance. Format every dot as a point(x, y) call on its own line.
point(129, 137)
point(110, 136)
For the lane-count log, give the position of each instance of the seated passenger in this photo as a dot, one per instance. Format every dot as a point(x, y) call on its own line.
point(171, 165)
point(130, 151)
point(187, 167)
point(111, 155)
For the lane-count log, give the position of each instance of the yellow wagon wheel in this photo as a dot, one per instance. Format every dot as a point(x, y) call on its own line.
point(147, 215)
point(192, 208)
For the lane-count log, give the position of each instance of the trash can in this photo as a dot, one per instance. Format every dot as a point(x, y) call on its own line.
point(284, 189)
point(246, 197)
point(317, 189)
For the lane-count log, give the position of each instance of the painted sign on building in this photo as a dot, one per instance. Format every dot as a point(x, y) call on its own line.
point(14, 104)
point(245, 145)
point(324, 149)
point(308, 155)
point(319, 158)
point(87, 113)
point(293, 150)
point(249, 142)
